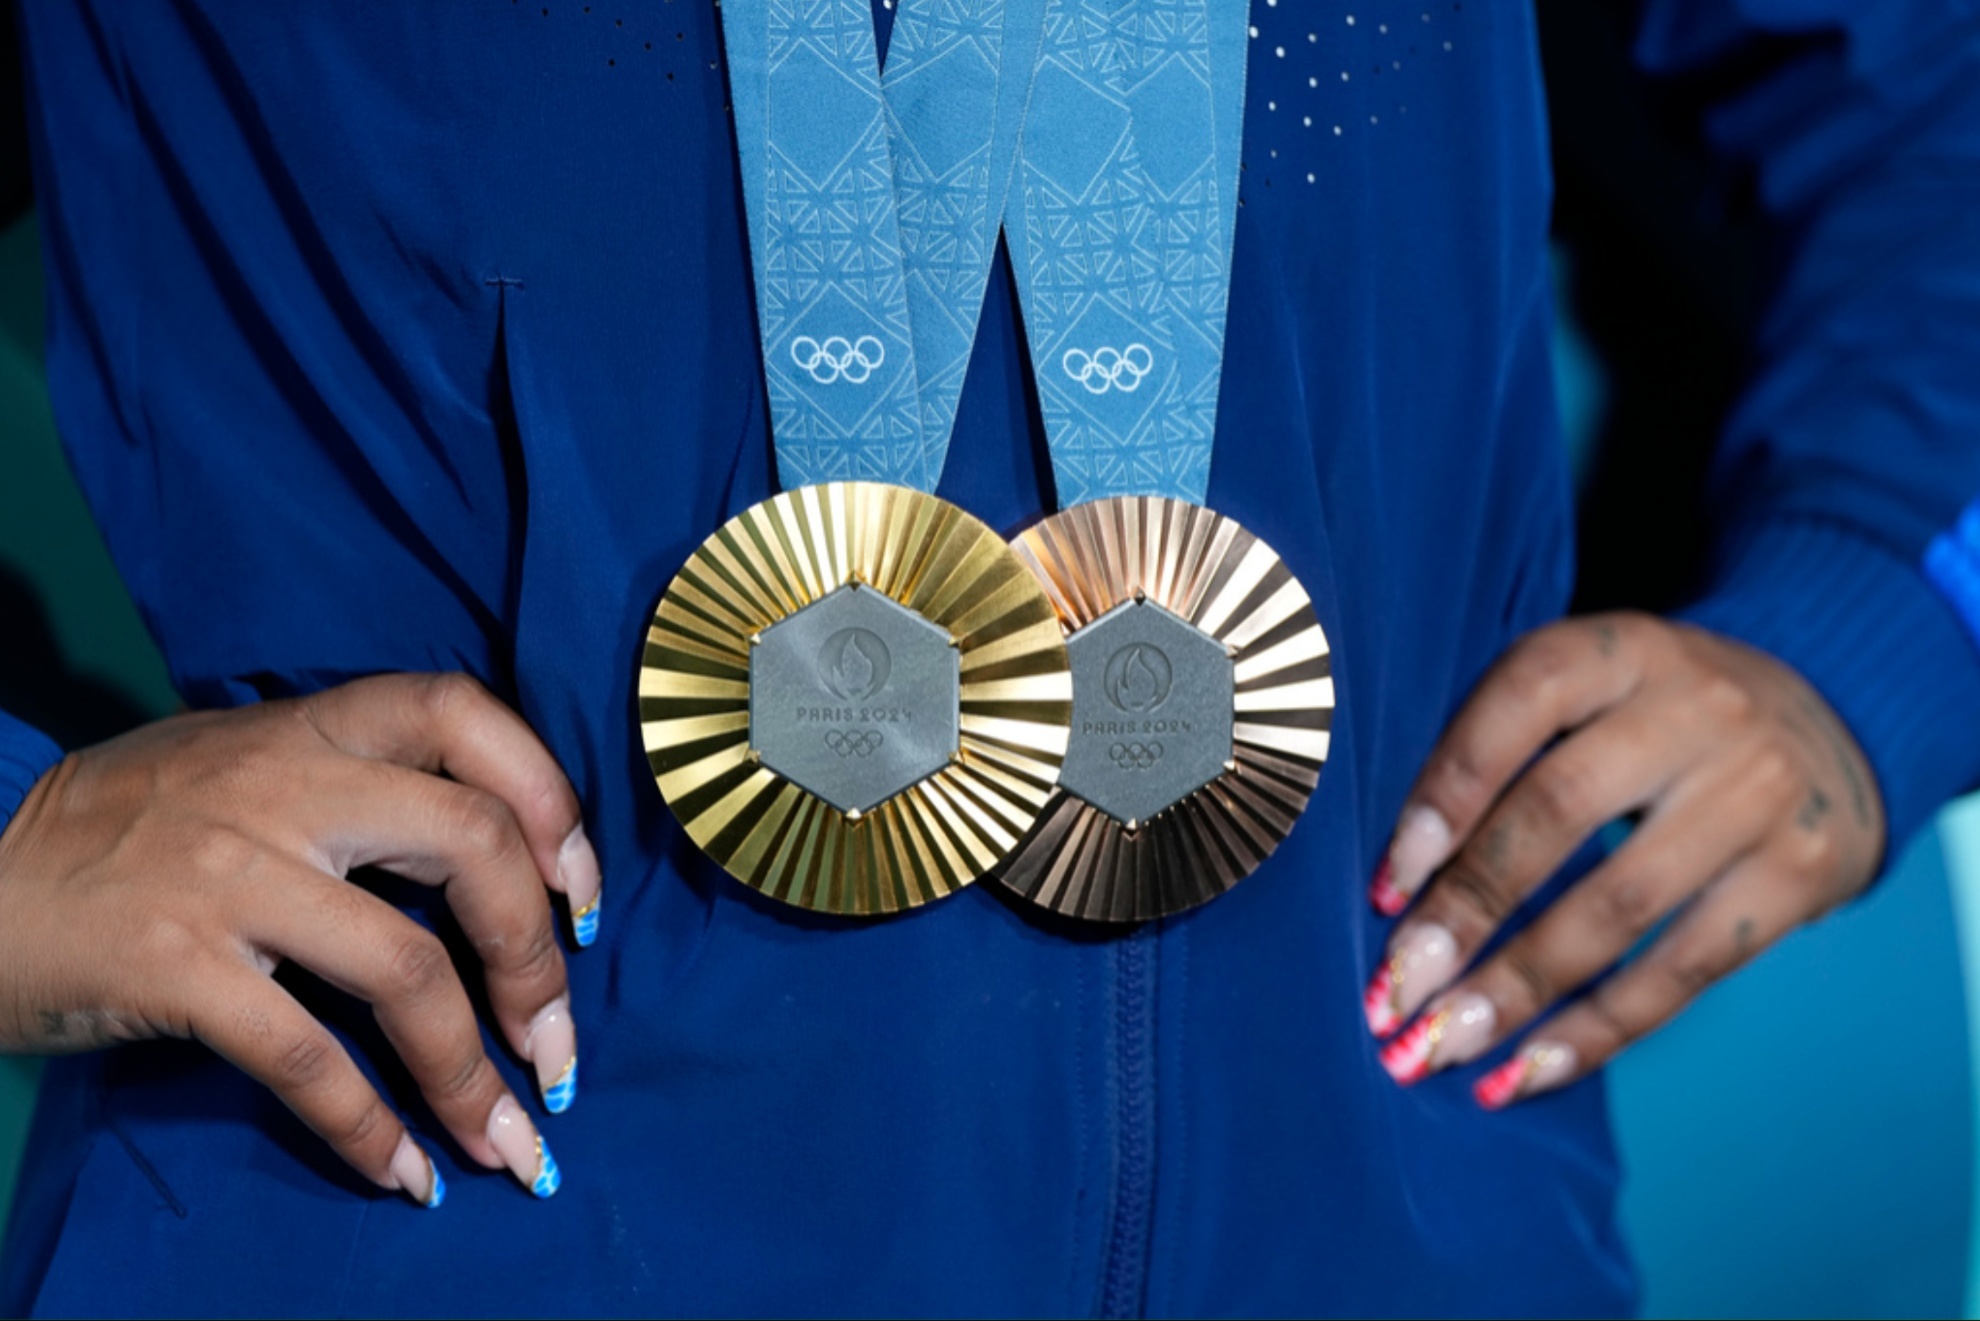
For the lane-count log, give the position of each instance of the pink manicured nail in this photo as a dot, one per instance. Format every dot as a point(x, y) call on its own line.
point(1382, 891)
point(1539, 1067)
point(551, 1045)
point(416, 1174)
point(1422, 961)
point(1449, 1033)
point(1421, 845)
point(578, 873)
point(522, 1149)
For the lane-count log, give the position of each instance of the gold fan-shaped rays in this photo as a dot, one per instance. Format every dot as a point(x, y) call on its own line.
point(1015, 697)
point(1207, 569)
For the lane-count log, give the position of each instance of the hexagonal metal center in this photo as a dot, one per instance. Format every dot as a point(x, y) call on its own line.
point(1153, 704)
point(854, 698)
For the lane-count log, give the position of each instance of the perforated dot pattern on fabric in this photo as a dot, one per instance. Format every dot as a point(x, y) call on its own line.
point(1321, 77)
point(640, 37)
point(1325, 77)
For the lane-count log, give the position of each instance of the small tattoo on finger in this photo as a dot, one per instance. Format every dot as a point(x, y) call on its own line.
point(1743, 936)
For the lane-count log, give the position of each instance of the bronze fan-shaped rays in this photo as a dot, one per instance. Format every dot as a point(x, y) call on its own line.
point(774, 559)
point(1207, 569)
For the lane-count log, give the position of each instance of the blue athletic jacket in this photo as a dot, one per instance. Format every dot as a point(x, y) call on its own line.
point(420, 337)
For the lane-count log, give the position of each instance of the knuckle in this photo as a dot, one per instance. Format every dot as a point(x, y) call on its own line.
point(1560, 793)
point(1527, 973)
point(450, 697)
point(1626, 905)
point(1538, 666)
point(419, 967)
point(171, 942)
point(529, 954)
point(362, 1127)
point(222, 853)
point(1773, 773)
point(547, 796)
point(485, 826)
point(1475, 895)
point(464, 1082)
point(1454, 781)
point(1817, 852)
point(305, 1061)
point(1691, 972)
point(537, 956)
point(1726, 701)
point(1606, 1021)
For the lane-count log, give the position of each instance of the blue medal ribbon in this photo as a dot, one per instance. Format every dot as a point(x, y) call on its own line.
point(1107, 129)
point(1121, 230)
point(873, 205)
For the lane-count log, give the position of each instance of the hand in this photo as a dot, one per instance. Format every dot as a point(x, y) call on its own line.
point(149, 887)
point(1758, 813)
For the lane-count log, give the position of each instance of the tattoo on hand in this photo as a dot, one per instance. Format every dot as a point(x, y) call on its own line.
point(1839, 748)
point(54, 1023)
point(1812, 811)
point(1743, 937)
point(1605, 639)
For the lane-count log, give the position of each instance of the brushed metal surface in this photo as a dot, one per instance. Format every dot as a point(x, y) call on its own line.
point(1013, 698)
point(1226, 584)
point(855, 698)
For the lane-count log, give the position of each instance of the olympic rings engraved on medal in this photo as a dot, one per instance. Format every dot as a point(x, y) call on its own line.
point(838, 358)
point(1134, 756)
point(1108, 368)
point(854, 742)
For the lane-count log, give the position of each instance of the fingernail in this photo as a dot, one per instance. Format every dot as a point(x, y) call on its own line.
point(1421, 845)
point(1382, 891)
point(417, 1176)
point(551, 1045)
point(1539, 1067)
point(577, 869)
point(522, 1148)
point(1450, 1033)
point(1421, 963)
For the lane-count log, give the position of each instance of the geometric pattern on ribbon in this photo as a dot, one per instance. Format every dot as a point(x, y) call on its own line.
point(1121, 229)
point(1168, 78)
point(874, 201)
point(941, 86)
point(1076, 225)
point(831, 297)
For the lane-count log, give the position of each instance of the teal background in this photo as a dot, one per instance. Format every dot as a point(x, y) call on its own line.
point(1799, 1144)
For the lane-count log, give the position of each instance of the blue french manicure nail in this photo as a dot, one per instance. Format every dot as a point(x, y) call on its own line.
point(548, 1177)
point(584, 923)
point(557, 1097)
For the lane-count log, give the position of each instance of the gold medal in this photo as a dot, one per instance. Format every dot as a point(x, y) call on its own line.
point(1203, 694)
point(854, 697)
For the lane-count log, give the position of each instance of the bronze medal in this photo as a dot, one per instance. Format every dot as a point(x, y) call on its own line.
point(1203, 695)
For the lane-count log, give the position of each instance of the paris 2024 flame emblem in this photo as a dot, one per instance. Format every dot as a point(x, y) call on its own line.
point(854, 664)
point(1138, 678)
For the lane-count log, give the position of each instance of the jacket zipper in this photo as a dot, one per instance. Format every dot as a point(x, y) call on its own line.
point(1124, 1281)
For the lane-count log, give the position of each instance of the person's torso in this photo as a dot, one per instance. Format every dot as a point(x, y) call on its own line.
point(421, 337)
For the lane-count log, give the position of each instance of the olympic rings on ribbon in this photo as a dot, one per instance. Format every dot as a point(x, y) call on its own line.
point(839, 359)
point(1108, 368)
point(854, 742)
point(1134, 756)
